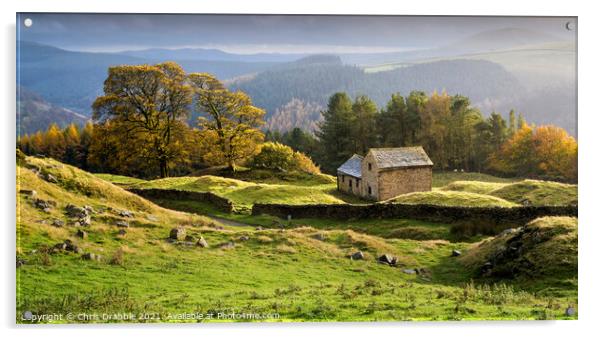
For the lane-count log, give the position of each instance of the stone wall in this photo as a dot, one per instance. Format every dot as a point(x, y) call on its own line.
point(218, 202)
point(354, 188)
point(369, 177)
point(482, 215)
point(404, 180)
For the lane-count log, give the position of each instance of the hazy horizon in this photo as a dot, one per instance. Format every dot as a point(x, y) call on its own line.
point(251, 34)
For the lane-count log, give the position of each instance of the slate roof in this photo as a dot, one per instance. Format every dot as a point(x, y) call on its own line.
point(398, 157)
point(352, 167)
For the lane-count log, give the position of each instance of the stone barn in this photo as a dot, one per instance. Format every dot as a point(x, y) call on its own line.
point(385, 173)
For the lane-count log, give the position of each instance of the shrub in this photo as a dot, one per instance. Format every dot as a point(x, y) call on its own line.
point(276, 156)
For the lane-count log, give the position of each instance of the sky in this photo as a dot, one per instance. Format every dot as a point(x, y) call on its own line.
point(248, 34)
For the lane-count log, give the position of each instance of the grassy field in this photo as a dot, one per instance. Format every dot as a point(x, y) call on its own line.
point(119, 180)
point(534, 192)
point(244, 194)
point(452, 198)
point(299, 273)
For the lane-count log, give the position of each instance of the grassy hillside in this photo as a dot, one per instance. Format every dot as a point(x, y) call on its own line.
point(451, 198)
point(298, 274)
point(539, 192)
point(245, 193)
point(533, 192)
point(544, 247)
point(441, 179)
point(119, 180)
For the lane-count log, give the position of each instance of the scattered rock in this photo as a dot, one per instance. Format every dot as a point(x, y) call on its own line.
point(509, 231)
point(76, 211)
point(89, 209)
point(59, 247)
point(151, 217)
point(202, 243)
point(258, 228)
point(319, 237)
point(456, 253)
point(51, 179)
point(91, 256)
point(126, 214)
point(388, 259)
point(409, 271)
point(570, 311)
point(423, 272)
point(219, 228)
point(29, 193)
point(486, 267)
point(178, 233)
point(122, 232)
point(57, 223)
point(357, 256)
point(82, 234)
point(85, 221)
point(45, 205)
point(226, 245)
point(122, 224)
point(243, 238)
point(20, 262)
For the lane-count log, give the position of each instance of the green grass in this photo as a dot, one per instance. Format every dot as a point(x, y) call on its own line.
point(119, 180)
point(244, 193)
point(451, 198)
point(548, 251)
point(539, 192)
point(441, 179)
point(292, 273)
point(536, 192)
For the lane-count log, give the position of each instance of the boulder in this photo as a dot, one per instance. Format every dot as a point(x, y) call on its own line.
point(57, 223)
point(319, 237)
point(91, 256)
point(151, 217)
point(178, 233)
point(85, 221)
point(122, 224)
point(243, 238)
point(455, 253)
point(82, 234)
point(51, 179)
point(227, 245)
point(122, 232)
point(76, 211)
point(258, 228)
point(409, 271)
point(570, 311)
point(20, 262)
point(202, 243)
point(43, 204)
point(29, 193)
point(388, 259)
point(126, 214)
point(357, 256)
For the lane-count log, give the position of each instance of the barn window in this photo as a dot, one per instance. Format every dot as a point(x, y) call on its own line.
point(369, 166)
point(350, 183)
point(357, 183)
point(343, 178)
point(369, 190)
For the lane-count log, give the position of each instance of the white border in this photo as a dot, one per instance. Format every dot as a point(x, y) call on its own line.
point(590, 123)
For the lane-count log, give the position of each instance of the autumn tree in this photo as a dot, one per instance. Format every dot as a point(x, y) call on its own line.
point(229, 123)
point(146, 106)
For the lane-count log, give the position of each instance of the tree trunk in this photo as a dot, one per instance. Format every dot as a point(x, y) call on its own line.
point(163, 168)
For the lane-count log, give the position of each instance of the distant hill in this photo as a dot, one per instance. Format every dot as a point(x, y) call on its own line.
point(210, 55)
point(74, 79)
point(482, 81)
point(34, 113)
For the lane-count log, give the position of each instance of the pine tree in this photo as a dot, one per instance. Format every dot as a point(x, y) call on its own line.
point(335, 133)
